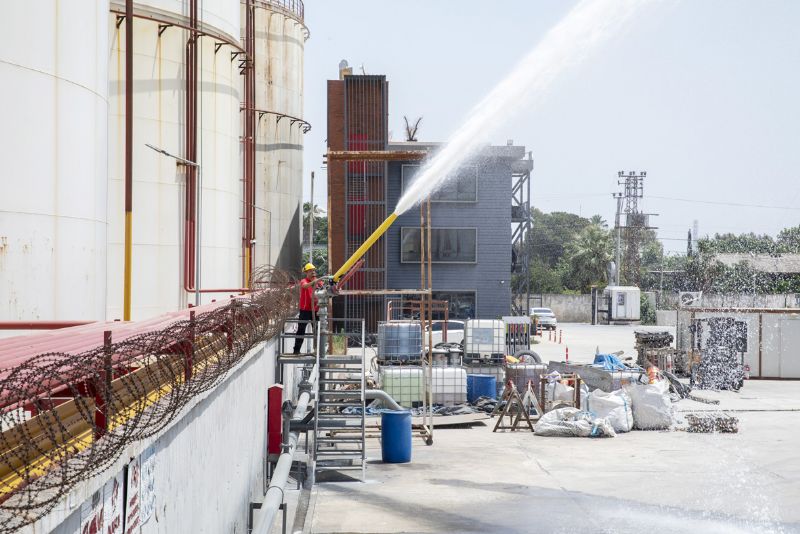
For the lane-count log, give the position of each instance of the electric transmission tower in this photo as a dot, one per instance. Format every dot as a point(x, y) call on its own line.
point(630, 225)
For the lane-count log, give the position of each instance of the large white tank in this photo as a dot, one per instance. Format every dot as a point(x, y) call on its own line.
point(158, 187)
point(53, 104)
point(63, 145)
point(279, 48)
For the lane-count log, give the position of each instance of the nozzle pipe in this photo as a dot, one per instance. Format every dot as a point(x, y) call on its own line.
point(379, 231)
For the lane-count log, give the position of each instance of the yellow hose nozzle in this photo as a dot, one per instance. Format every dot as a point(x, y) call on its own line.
point(365, 246)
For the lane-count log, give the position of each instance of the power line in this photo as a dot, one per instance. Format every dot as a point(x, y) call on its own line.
point(718, 203)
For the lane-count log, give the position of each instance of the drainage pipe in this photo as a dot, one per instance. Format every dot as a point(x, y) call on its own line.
point(274, 495)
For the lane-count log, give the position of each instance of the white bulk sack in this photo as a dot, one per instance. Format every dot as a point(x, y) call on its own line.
point(614, 406)
point(571, 422)
point(652, 407)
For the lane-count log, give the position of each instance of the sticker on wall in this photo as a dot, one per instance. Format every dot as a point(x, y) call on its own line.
point(147, 495)
point(133, 482)
point(112, 506)
point(102, 513)
point(92, 514)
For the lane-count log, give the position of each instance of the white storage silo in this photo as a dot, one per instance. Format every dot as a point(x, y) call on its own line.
point(279, 48)
point(159, 110)
point(53, 101)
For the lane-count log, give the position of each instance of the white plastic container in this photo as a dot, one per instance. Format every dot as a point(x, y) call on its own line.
point(404, 385)
point(449, 385)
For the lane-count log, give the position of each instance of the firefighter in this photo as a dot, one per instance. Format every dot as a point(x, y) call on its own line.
point(308, 305)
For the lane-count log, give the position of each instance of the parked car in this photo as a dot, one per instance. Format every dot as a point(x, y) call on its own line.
point(545, 317)
point(455, 332)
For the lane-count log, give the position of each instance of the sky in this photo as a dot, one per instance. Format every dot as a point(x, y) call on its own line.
point(703, 95)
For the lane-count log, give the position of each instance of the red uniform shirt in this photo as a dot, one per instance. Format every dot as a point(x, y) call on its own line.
point(307, 296)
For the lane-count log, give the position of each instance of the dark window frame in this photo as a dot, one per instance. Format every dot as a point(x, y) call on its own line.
point(403, 229)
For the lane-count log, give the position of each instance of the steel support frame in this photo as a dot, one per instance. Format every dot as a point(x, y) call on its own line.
point(521, 204)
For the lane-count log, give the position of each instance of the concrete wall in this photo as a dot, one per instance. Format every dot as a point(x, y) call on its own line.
point(490, 276)
point(737, 300)
point(773, 339)
point(666, 317)
point(568, 308)
point(209, 461)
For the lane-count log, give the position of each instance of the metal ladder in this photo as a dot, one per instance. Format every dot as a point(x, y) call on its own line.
point(340, 438)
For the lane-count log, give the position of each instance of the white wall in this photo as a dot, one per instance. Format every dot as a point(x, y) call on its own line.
point(209, 461)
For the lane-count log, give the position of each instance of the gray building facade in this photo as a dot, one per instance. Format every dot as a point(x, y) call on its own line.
point(471, 233)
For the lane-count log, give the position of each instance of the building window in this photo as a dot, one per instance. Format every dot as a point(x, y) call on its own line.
point(448, 245)
point(462, 188)
point(461, 304)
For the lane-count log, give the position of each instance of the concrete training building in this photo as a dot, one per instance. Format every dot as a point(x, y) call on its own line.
point(471, 243)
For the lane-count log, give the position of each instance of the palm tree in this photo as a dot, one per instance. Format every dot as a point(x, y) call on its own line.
point(589, 255)
point(599, 221)
point(318, 212)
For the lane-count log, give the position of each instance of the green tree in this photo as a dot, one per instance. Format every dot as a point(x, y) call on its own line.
point(599, 221)
point(320, 223)
point(320, 260)
point(550, 234)
point(789, 240)
point(588, 256)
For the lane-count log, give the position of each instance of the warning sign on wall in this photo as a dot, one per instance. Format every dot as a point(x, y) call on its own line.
point(147, 492)
point(133, 492)
point(102, 513)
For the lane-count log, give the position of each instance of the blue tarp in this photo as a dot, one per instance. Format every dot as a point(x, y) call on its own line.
point(609, 362)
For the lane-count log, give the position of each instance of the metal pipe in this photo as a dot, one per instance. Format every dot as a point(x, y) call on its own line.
point(40, 325)
point(274, 495)
point(377, 394)
point(248, 145)
point(127, 269)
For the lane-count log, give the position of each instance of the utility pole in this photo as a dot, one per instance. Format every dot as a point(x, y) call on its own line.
point(636, 222)
point(311, 224)
point(618, 228)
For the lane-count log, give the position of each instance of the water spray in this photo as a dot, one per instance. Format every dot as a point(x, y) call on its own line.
point(583, 29)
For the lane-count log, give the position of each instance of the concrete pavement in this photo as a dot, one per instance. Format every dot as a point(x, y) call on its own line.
point(473, 480)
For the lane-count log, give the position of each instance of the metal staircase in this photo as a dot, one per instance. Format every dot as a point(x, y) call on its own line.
point(339, 431)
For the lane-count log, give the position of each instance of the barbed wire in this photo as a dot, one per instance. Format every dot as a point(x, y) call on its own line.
point(67, 417)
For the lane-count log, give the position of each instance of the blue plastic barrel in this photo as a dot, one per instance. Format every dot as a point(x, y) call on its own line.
point(396, 436)
point(481, 386)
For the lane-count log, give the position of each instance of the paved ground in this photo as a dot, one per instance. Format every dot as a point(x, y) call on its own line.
point(584, 339)
point(473, 480)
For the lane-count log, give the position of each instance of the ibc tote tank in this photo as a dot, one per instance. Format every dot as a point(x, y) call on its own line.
point(53, 104)
point(399, 341)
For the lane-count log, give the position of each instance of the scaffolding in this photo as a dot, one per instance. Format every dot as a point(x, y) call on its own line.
point(522, 222)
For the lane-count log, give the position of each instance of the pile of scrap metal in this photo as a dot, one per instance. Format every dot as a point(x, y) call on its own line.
point(712, 422)
point(718, 348)
point(656, 347)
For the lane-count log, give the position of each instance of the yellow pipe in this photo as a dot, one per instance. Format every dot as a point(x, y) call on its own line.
point(379, 231)
point(246, 267)
point(126, 299)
